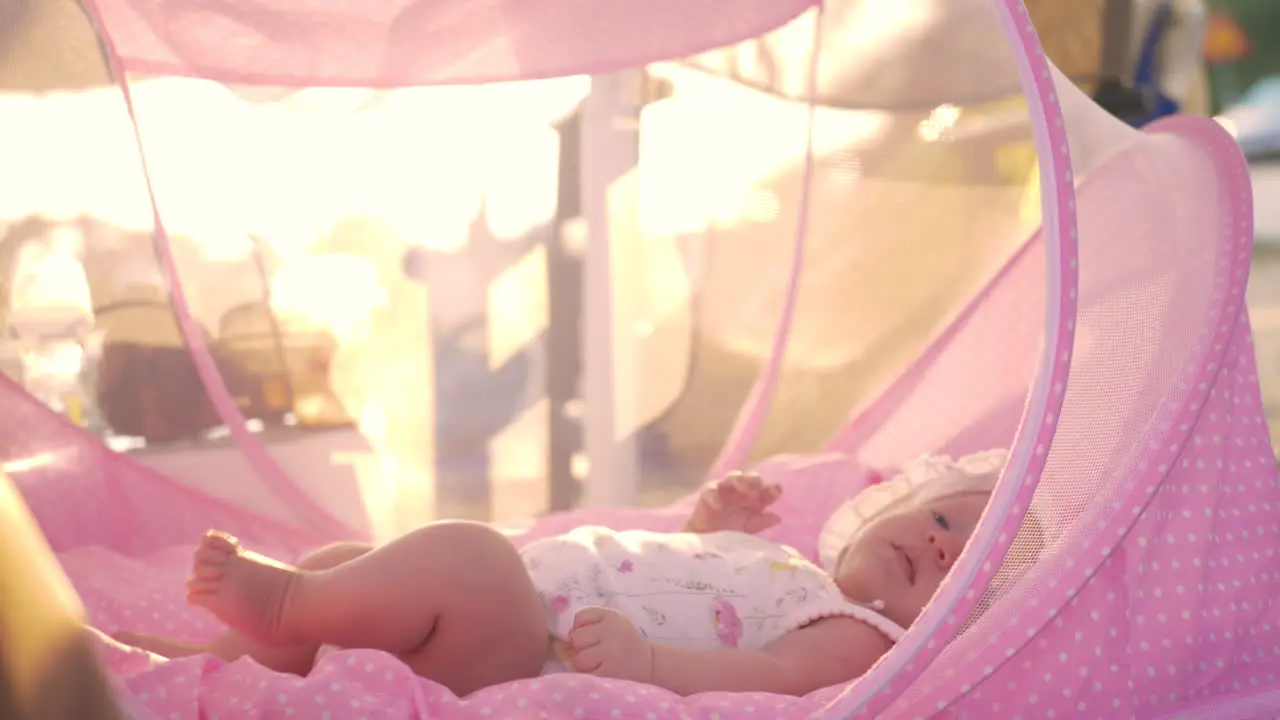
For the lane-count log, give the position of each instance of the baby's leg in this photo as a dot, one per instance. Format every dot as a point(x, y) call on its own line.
point(232, 644)
point(452, 599)
point(160, 645)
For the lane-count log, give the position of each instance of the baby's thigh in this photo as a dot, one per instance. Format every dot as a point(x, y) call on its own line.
point(331, 556)
point(489, 626)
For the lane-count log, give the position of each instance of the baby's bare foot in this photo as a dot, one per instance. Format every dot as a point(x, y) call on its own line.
point(245, 590)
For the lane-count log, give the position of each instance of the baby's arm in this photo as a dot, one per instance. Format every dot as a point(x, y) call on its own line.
point(827, 652)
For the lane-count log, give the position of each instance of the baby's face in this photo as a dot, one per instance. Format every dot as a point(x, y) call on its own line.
point(901, 557)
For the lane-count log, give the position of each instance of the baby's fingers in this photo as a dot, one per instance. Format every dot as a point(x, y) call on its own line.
point(761, 522)
point(769, 494)
point(583, 638)
point(587, 660)
point(761, 497)
point(752, 494)
point(737, 487)
point(589, 616)
point(747, 482)
point(711, 497)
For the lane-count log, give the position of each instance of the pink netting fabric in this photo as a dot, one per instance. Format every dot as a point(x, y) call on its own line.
point(1126, 567)
point(413, 42)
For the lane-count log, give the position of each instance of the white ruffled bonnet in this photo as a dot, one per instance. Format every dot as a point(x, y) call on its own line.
point(928, 477)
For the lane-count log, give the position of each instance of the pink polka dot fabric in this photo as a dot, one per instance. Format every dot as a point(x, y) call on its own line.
point(1126, 566)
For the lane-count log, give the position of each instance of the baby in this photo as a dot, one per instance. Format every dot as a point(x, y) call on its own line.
point(713, 608)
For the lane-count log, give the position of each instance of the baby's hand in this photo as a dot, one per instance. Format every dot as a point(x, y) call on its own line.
point(604, 642)
point(737, 502)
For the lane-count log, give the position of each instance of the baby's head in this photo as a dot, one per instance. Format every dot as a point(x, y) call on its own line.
point(891, 546)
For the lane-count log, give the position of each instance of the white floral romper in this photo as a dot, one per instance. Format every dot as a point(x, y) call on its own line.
point(725, 589)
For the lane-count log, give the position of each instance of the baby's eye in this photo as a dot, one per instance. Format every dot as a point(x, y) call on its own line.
point(942, 521)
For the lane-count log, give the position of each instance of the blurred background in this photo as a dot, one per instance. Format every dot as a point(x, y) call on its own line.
point(360, 337)
point(1242, 58)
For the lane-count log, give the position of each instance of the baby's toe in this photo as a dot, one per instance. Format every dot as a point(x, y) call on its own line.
point(201, 586)
point(213, 559)
point(219, 542)
point(208, 570)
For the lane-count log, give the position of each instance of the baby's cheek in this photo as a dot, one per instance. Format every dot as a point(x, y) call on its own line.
point(856, 586)
point(909, 605)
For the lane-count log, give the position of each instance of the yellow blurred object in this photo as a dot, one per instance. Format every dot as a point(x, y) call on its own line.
point(48, 665)
point(1018, 163)
point(1029, 212)
point(75, 409)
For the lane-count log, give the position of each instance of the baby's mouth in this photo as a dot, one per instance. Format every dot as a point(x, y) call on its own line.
point(908, 562)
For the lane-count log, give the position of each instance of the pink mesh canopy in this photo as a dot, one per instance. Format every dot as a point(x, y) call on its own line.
point(823, 238)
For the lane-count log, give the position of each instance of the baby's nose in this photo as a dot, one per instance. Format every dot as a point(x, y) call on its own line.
point(945, 548)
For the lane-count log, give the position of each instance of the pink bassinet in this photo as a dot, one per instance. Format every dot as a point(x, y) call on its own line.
point(1126, 567)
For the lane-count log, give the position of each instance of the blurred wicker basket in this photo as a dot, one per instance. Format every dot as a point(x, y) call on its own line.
point(288, 360)
point(146, 383)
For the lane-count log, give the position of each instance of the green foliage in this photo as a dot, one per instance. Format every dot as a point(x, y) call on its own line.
point(1260, 20)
